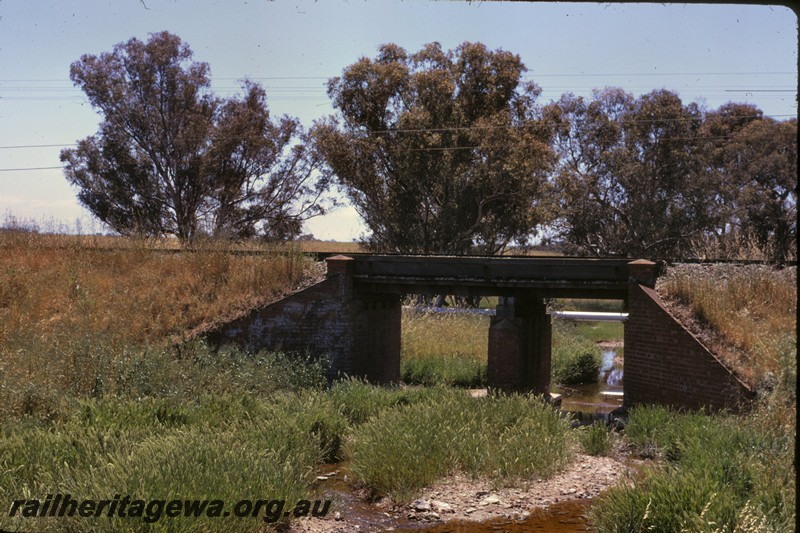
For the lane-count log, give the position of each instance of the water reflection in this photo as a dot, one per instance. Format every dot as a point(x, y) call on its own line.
point(596, 400)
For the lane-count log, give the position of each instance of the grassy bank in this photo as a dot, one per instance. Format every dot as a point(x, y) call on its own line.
point(721, 472)
point(717, 473)
point(509, 439)
point(88, 322)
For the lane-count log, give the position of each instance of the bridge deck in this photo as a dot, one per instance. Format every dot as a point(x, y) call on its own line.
point(492, 276)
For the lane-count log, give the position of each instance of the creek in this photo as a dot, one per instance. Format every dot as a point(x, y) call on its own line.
point(584, 403)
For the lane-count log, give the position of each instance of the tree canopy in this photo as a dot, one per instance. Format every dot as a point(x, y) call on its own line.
point(439, 151)
point(648, 176)
point(170, 158)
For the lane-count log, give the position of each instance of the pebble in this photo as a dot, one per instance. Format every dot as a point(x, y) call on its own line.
point(442, 506)
point(421, 505)
point(469, 510)
point(489, 500)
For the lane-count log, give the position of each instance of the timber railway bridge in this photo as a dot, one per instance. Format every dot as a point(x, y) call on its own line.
point(353, 316)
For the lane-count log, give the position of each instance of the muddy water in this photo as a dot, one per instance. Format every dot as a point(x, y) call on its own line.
point(566, 517)
point(595, 401)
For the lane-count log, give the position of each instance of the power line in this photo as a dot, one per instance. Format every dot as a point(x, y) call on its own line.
point(475, 147)
point(25, 169)
point(527, 75)
point(468, 128)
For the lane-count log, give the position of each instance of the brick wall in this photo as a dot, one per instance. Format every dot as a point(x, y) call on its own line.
point(665, 364)
point(360, 335)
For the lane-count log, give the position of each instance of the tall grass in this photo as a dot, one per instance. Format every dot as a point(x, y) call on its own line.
point(444, 348)
point(227, 447)
point(87, 322)
point(753, 308)
point(506, 438)
point(714, 467)
point(576, 358)
point(451, 349)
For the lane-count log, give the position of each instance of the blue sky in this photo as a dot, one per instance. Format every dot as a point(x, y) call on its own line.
point(711, 53)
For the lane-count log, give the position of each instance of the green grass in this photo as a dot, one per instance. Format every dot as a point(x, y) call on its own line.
point(600, 331)
point(444, 348)
point(718, 473)
point(595, 439)
point(218, 447)
point(508, 439)
point(451, 349)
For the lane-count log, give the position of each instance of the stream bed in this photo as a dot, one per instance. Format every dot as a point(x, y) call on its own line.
point(584, 403)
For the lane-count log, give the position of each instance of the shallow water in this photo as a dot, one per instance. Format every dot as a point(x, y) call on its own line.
point(595, 401)
point(566, 517)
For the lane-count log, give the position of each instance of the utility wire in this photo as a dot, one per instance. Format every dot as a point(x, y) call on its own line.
point(473, 147)
point(471, 128)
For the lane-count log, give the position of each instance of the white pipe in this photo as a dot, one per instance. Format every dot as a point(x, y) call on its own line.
point(591, 316)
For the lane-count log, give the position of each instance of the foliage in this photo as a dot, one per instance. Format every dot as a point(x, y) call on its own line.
point(94, 322)
point(751, 308)
point(575, 358)
point(650, 176)
point(444, 348)
point(439, 152)
point(716, 466)
point(508, 438)
point(755, 159)
point(631, 174)
point(595, 439)
point(150, 449)
point(170, 158)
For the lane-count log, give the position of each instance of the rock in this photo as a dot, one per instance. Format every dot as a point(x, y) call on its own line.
point(434, 516)
point(337, 515)
point(442, 506)
point(421, 505)
point(469, 510)
point(489, 500)
point(322, 478)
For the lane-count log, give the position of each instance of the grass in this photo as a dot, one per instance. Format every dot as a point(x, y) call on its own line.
point(718, 473)
point(752, 308)
point(506, 438)
point(576, 359)
point(451, 349)
point(721, 472)
point(595, 439)
point(444, 348)
point(227, 447)
point(87, 322)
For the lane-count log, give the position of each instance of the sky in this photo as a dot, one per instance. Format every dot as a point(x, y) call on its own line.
point(709, 53)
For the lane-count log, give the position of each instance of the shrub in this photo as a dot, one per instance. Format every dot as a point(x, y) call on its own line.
point(595, 439)
point(575, 359)
point(715, 466)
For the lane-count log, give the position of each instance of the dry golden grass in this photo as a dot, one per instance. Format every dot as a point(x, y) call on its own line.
point(133, 292)
point(751, 308)
point(328, 246)
point(78, 319)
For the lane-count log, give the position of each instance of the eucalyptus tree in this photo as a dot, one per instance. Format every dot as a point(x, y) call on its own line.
point(439, 151)
point(171, 158)
point(631, 174)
